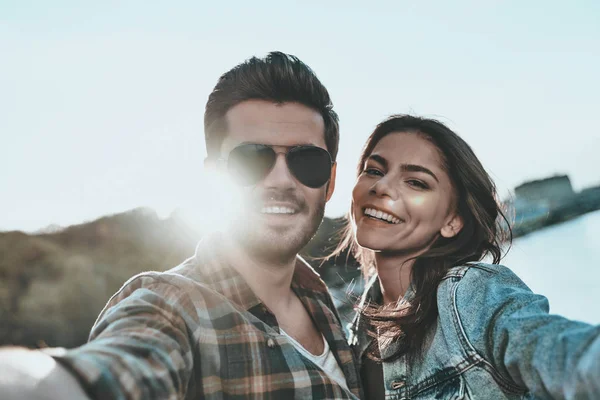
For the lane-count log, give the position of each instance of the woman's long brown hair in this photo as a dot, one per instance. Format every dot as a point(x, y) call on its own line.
point(485, 230)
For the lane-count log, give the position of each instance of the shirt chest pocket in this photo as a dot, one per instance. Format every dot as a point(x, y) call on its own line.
point(451, 389)
point(253, 360)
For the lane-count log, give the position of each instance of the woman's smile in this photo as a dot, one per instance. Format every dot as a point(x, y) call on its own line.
point(403, 197)
point(376, 214)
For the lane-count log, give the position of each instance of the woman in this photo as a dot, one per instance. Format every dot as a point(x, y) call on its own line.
point(434, 320)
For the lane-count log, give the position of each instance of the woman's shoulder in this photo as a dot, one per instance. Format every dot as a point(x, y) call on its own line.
point(479, 295)
point(481, 274)
point(477, 269)
point(478, 287)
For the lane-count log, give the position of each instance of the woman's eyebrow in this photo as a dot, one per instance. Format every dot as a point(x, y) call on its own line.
point(404, 167)
point(379, 159)
point(418, 168)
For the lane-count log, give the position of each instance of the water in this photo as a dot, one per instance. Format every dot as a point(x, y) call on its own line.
point(562, 262)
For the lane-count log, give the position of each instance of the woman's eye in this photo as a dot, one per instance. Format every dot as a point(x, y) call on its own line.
point(417, 184)
point(373, 171)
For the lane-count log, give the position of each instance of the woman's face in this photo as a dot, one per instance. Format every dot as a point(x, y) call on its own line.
point(403, 198)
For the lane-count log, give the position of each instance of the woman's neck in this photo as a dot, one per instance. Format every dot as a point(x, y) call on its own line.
point(394, 275)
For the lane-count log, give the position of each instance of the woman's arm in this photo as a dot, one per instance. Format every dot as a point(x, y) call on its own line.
point(509, 325)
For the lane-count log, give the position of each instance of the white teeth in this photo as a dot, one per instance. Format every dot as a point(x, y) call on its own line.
point(381, 215)
point(277, 210)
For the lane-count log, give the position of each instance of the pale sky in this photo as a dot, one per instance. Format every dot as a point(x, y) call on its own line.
point(101, 103)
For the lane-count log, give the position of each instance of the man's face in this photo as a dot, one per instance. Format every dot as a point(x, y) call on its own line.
point(280, 214)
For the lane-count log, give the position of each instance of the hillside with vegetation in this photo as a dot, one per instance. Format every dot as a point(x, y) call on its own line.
point(54, 284)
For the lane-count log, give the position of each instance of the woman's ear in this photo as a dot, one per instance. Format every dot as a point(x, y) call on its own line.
point(452, 227)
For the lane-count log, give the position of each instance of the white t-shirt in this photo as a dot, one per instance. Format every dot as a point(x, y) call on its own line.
point(326, 361)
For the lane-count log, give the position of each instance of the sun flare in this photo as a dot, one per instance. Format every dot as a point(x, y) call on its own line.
point(215, 204)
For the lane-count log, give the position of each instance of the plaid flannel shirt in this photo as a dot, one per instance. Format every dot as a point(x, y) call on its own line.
point(199, 332)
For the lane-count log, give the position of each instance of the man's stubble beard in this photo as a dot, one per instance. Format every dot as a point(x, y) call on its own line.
point(277, 246)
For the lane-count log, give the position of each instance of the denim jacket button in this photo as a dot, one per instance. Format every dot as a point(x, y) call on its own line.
point(270, 343)
point(397, 384)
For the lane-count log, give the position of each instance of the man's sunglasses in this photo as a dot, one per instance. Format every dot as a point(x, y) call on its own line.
point(251, 163)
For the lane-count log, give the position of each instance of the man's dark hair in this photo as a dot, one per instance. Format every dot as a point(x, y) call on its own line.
point(279, 78)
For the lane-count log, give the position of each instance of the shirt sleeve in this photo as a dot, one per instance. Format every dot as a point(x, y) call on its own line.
point(551, 356)
point(140, 347)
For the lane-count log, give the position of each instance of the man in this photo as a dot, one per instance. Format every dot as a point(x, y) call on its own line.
point(245, 317)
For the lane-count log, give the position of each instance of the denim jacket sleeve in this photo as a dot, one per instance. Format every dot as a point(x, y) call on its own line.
point(511, 328)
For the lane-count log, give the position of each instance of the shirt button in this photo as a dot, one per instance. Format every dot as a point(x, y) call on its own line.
point(270, 343)
point(398, 384)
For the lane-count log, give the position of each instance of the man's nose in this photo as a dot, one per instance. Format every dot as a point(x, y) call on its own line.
point(280, 176)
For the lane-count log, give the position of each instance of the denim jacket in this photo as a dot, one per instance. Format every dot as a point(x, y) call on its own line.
point(493, 339)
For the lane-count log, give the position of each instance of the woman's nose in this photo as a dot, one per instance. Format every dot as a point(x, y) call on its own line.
point(385, 187)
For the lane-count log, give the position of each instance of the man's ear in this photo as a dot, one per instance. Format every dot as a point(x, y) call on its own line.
point(331, 184)
point(452, 227)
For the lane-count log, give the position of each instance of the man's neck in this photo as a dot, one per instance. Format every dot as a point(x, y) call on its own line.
point(269, 280)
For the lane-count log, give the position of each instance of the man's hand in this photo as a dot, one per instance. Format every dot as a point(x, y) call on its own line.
point(34, 375)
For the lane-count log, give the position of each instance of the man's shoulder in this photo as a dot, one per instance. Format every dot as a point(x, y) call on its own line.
point(180, 291)
point(307, 277)
point(182, 280)
point(176, 276)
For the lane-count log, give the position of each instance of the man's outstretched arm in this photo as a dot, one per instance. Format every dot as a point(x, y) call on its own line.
point(34, 375)
point(138, 348)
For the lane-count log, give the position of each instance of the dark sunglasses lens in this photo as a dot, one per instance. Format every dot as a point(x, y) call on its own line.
point(310, 165)
point(249, 163)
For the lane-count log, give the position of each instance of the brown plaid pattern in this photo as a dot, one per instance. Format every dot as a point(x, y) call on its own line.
point(199, 332)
